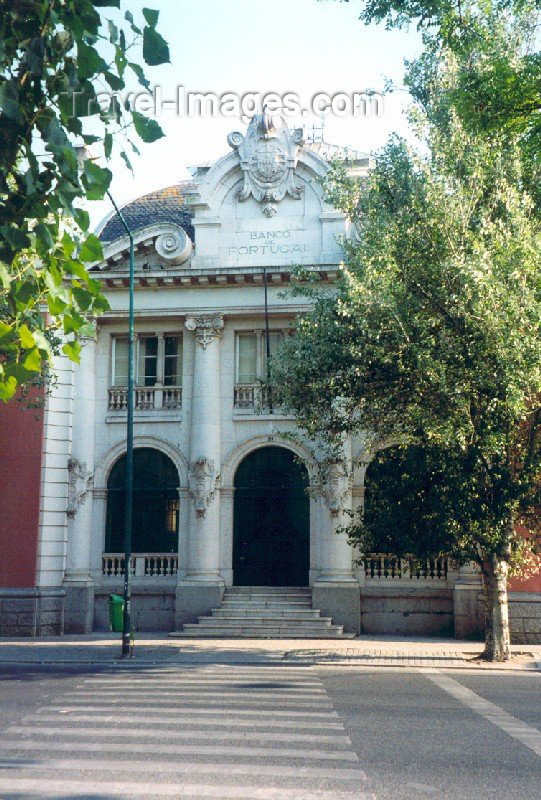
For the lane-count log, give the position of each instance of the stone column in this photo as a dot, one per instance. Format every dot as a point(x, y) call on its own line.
point(202, 587)
point(336, 590)
point(79, 609)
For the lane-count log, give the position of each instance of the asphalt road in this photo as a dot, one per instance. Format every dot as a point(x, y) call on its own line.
point(270, 732)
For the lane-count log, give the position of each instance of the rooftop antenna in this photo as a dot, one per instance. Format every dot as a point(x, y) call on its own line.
point(316, 132)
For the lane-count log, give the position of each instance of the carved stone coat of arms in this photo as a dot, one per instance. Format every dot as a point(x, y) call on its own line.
point(268, 158)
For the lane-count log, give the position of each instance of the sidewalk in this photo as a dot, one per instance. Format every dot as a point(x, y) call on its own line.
point(157, 648)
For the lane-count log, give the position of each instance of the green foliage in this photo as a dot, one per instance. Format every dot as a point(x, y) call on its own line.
point(494, 44)
point(54, 60)
point(433, 334)
point(427, 500)
point(414, 498)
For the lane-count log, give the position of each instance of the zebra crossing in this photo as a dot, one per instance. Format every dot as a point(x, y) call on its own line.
point(195, 732)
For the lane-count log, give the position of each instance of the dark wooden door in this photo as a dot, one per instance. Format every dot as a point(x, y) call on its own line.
point(271, 538)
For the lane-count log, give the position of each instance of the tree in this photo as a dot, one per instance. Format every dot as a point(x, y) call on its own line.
point(433, 333)
point(497, 82)
point(58, 62)
point(422, 501)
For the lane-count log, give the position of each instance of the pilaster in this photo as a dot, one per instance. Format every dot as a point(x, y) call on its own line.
point(78, 583)
point(467, 607)
point(202, 585)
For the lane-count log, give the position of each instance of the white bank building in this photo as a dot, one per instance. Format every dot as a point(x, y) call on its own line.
point(235, 525)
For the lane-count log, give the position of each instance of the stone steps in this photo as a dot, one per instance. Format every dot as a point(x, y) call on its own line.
point(198, 632)
point(265, 612)
point(273, 622)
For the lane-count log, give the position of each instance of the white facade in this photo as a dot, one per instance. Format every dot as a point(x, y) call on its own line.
point(260, 207)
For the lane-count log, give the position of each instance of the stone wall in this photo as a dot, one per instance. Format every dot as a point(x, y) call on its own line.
point(31, 612)
point(525, 617)
point(152, 608)
point(407, 611)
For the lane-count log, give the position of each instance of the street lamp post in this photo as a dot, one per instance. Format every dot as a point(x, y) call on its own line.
point(126, 617)
point(267, 339)
point(83, 154)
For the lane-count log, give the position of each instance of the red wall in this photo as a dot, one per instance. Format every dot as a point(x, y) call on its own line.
point(532, 584)
point(21, 435)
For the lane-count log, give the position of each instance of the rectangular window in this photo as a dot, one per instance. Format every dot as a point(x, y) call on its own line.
point(172, 361)
point(154, 361)
point(275, 340)
point(148, 360)
point(120, 361)
point(246, 358)
point(252, 355)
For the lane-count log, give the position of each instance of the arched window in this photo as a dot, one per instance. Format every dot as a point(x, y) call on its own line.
point(155, 504)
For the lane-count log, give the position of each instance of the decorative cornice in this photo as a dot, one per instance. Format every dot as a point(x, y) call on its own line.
point(190, 278)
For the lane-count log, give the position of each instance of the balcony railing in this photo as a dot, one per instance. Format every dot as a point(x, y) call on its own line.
point(382, 567)
point(247, 395)
point(147, 398)
point(159, 565)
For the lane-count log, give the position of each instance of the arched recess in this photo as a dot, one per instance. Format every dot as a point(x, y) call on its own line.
point(271, 519)
point(155, 518)
point(104, 467)
point(234, 458)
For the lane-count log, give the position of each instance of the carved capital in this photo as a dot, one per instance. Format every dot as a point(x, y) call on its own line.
point(205, 328)
point(80, 483)
point(203, 482)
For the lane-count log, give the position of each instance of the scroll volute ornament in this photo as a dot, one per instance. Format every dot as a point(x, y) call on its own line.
point(174, 246)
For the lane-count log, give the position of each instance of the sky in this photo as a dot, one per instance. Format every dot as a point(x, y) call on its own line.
point(301, 46)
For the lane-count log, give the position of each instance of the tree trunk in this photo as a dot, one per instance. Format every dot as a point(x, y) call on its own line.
point(497, 640)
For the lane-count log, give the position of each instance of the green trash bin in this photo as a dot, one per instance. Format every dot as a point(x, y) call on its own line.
point(116, 612)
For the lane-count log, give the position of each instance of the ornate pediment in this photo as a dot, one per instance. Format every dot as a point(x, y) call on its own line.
point(268, 157)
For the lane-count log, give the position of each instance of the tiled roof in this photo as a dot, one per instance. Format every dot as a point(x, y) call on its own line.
point(165, 205)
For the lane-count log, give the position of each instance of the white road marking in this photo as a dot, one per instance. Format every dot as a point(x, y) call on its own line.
point(36, 744)
point(273, 694)
point(197, 790)
point(223, 733)
point(196, 767)
point(119, 716)
point(171, 735)
point(206, 683)
point(225, 699)
point(196, 710)
point(526, 734)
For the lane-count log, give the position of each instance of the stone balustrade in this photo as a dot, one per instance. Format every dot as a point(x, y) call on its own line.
point(247, 395)
point(147, 398)
point(142, 564)
point(250, 396)
point(383, 567)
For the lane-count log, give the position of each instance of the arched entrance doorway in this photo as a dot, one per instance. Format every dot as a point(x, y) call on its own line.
point(155, 504)
point(271, 528)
